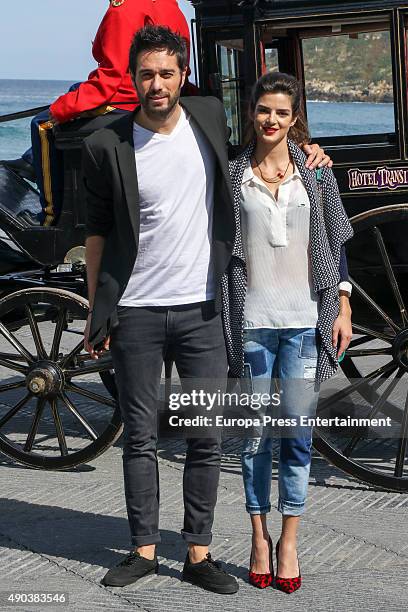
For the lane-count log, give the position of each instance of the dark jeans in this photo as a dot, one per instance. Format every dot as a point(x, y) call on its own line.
point(193, 335)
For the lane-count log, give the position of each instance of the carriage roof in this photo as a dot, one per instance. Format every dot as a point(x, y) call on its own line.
point(292, 7)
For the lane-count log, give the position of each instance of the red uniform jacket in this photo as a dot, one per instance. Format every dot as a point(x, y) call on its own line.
point(111, 81)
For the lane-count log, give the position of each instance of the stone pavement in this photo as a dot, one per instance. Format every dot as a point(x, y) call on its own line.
point(60, 531)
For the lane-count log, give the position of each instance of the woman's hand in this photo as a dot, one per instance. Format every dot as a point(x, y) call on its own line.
point(342, 328)
point(316, 157)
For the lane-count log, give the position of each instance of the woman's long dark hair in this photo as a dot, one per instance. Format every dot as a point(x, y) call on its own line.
point(279, 82)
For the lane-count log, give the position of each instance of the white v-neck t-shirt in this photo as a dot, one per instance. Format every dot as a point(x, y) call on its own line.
point(175, 174)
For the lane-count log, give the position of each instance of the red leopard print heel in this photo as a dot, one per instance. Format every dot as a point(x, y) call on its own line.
point(287, 585)
point(261, 581)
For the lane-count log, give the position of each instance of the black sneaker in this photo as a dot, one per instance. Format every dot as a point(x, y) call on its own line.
point(130, 569)
point(209, 575)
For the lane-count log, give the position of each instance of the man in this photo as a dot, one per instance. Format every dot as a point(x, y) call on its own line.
point(108, 89)
point(160, 229)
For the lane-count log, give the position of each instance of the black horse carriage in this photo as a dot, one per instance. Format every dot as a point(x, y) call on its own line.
point(43, 310)
point(349, 53)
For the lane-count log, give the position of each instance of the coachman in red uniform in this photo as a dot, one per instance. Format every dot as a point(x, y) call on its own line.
point(108, 88)
point(111, 82)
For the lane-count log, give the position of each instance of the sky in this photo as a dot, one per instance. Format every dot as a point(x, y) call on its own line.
point(52, 39)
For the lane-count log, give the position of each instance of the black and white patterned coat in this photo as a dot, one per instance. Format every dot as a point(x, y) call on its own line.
point(329, 230)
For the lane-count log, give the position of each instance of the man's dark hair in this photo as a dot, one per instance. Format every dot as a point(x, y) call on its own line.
point(157, 38)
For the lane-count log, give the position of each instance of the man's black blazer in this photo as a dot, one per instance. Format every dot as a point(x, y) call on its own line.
point(112, 208)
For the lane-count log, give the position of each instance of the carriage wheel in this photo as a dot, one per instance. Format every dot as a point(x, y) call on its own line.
point(52, 413)
point(376, 363)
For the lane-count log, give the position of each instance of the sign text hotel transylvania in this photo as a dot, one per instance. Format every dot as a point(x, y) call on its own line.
point(380, 178)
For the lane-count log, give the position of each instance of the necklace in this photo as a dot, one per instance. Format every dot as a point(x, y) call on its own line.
point(274, 179)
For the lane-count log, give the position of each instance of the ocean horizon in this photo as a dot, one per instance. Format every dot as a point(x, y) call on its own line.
point(18, 95)
point(324, 118)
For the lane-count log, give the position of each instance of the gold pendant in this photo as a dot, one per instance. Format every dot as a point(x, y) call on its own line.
point(117, 2)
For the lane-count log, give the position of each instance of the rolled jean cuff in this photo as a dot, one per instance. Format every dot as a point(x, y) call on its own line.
point(202, 539)
point(258, 509)
point(290, 509)
point(146, 540)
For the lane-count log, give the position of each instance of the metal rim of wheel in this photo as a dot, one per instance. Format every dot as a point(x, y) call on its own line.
point(49, 381)
point(393, 338)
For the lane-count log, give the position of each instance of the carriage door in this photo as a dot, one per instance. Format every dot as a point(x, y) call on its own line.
point(224, 76)
point(402, 23)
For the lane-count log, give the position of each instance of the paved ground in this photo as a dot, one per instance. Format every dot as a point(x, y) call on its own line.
point(60, 531)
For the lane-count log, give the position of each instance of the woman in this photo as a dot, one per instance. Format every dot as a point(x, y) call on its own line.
point(286, 305)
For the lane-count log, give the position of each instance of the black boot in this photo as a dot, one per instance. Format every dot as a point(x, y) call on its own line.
point(21, 167)
point(29, 218)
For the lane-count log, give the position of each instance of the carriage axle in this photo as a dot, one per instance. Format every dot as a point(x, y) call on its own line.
point(45, 379)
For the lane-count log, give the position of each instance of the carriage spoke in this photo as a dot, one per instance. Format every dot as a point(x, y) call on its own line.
point(91, 395)
point(402, 446)
point(369, 352)
point(68, 358)
point(34, 425)
point(41, 353)
point(14, 410)
point(17, 367)
point(375, 306)
point(92, 433)
point(340, 395)
point(360, 341)
point(14, 342)
point(391, 275)
point(75, 331)
point(59, 328)
point(11, 356)
point(10, 386)
point(361, 329)
point(58, 428)
point(100, 365)
point(13, 366)
point(377, 406)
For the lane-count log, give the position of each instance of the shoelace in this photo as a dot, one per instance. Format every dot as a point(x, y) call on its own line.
point(212, 562)
point(131, 558)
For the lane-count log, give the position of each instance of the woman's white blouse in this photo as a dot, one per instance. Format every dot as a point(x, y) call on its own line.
point(277, 251)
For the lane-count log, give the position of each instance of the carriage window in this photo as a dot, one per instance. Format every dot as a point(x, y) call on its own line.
point(271, 59)
point(406, 45)
point(348, 80)
point(228, 56)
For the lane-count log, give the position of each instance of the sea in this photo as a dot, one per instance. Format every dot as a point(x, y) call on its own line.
point(325, 118)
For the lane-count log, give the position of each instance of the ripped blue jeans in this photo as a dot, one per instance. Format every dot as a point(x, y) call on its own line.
point(289, 355)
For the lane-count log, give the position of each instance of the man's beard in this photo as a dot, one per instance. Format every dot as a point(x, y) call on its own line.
point(159, 113)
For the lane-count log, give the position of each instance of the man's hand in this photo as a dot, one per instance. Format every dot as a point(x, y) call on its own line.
point(317, 158)
point(94, 352)
point(342, 328)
